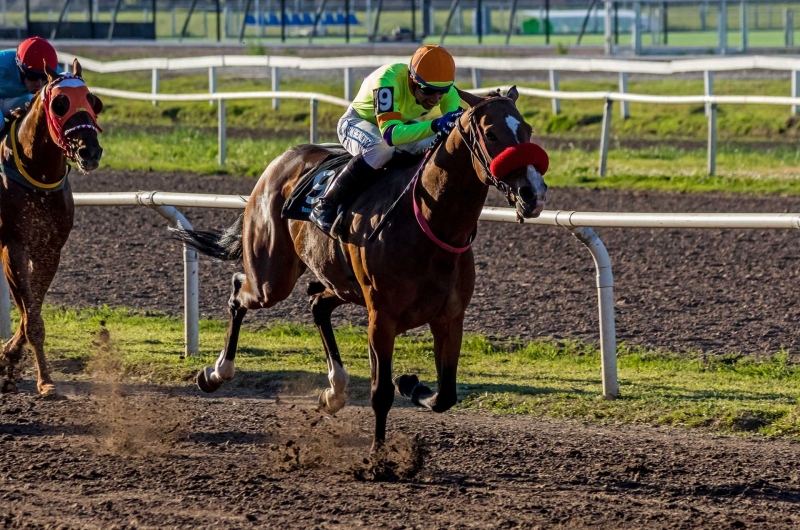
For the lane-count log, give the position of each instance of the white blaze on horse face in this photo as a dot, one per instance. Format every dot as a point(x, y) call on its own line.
point(536, 180)
point(513, 124)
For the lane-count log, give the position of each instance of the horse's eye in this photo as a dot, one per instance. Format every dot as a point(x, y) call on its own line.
point(490, 136)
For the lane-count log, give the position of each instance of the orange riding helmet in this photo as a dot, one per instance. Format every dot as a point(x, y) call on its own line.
point(433, 67)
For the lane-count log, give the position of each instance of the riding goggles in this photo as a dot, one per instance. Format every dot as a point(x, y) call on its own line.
point(30, 74)
point(433, 90)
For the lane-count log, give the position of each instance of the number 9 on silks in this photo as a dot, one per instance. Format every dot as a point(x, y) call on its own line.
point(381, 123)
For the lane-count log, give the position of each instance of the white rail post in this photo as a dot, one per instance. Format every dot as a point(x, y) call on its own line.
point(154, 84)
point(191, 311)
point(276, 86)
point(624, 106)
point(554, 87)
point(636, 29)
point(212, 83)
point(313, 115)
point(795, 90)
point(348, 84)
point(708, 88)
point(191, 306)
point(605, 304)
point(743, 23)
point(221, 136)
point(788, 28)
point(604, 137)
point(477, 81)
point(5, 308)
point(712, 140)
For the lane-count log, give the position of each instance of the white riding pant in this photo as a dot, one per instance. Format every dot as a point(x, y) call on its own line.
point(360, 136)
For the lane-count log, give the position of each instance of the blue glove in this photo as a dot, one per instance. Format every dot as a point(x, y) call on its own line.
point(446, 123)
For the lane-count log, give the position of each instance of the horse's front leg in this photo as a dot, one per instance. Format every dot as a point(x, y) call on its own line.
point(382, 333)
point(447, 349)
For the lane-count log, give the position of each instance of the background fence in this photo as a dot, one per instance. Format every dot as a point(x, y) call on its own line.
point(477, 65)
point(702, 25)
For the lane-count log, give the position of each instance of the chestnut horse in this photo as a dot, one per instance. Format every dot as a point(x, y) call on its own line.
point(36, 206)
point(418, 270)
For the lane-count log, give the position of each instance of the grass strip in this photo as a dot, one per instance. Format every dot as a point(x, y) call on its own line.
point(542, 378)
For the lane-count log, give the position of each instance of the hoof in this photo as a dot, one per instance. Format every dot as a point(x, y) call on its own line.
point(205, 382)
point(406, 384)
point(46, 389)
point(330, 406)
point(8, 387)
point(377, 448)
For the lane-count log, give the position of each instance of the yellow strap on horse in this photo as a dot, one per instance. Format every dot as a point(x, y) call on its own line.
point(32, 181)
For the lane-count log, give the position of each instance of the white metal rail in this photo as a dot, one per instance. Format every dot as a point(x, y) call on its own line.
point(511, 64)
point(579, 223)
point(622, 67)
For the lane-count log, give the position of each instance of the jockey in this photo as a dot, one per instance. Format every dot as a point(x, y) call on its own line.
point(22, 72)
point(383, 118)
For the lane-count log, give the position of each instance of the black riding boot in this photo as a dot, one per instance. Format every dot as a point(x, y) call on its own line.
point(345, 186)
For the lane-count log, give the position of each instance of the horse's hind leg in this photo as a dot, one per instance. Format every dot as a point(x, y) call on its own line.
point(11, 352)
point(209, 380)
point(447, 349)
point(323, 303)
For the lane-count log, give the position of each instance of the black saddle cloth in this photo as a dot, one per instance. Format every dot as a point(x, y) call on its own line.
point(313, 184)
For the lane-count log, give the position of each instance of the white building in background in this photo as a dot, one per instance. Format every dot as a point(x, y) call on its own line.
point(569, 21)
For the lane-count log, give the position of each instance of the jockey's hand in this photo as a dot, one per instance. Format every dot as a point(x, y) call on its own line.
point(446, 123)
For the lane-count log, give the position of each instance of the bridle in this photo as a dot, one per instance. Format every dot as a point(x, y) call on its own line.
point(476, 144)
point(74, 88)
point(477, 147)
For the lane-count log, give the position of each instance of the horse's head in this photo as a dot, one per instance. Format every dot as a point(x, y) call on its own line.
point(71, 112)
point(500, 143)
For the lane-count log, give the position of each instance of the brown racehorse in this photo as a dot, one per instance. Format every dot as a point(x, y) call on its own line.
point(419, 270)
point(36, 206)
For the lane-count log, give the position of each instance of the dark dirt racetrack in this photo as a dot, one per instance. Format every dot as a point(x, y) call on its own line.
point(116, 456)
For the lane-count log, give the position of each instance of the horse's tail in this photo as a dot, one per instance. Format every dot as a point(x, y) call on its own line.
point(225, 245)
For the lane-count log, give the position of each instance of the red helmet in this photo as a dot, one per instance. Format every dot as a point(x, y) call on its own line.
point(34, 53)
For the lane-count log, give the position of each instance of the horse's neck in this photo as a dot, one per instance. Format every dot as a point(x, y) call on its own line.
point(41, 157)
point(451, 196)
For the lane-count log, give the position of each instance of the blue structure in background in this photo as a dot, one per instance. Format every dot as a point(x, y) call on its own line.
point(303, 19)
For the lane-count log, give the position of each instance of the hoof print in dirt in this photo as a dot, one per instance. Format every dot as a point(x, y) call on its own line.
point(401, 458)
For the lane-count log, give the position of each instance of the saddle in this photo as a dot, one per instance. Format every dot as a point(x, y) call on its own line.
point(315, 181)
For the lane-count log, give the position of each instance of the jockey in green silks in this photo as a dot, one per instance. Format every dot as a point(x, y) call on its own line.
point(383, 119)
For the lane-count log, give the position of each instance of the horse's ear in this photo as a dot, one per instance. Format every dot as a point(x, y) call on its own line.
point(513, 93)
point(469, 99)
point(76, 67)
point(51, 74)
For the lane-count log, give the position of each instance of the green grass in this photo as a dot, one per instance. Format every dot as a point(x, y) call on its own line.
point(543, 378)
